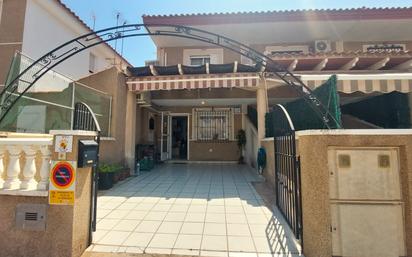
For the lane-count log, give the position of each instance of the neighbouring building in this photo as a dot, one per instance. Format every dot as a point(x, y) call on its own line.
point(34, 27)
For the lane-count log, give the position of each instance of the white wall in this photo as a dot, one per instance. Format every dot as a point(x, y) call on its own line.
point(252, 142)
point(48, 25)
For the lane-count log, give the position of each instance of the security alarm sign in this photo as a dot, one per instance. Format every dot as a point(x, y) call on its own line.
point(62, 183)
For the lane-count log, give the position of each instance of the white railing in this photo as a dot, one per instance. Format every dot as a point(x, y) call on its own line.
point(25, 165)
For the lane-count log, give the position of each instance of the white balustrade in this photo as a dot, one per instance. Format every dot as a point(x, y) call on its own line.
point(24, 165)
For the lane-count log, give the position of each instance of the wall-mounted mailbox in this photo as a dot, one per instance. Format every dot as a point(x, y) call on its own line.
point(87, 153)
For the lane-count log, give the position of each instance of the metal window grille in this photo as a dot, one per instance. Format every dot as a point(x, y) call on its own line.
point(213, 124)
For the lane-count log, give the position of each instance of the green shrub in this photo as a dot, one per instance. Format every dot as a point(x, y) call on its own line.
point(110, 167)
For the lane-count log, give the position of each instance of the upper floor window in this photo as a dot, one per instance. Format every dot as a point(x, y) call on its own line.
point(202, 56)
point(196, 60)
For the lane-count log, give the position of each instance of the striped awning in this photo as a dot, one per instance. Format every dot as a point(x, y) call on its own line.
point(226, 80)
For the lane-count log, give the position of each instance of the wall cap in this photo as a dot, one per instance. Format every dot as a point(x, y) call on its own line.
point(267, 139)
point(73, 132)
point(20, 192)
point(354, 132)
point(26, 141)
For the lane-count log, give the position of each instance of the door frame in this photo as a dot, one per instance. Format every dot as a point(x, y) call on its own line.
point(187, 115)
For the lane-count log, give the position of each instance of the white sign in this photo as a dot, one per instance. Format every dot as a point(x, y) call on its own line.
point(63, 144)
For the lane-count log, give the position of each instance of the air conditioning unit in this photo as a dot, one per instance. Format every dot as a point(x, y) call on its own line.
point(322, 46)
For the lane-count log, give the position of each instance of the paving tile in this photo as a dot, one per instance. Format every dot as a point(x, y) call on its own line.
point(197, 208)
point(114, 238)
point(195, 217)
point(214, 243)
point(241, 244)
point(126, 225)
point(158, 250)
point(138, 239)
point(192, 228)
point(99, 234)
point(238, 230)
point(105, 248)
point(175, 216)
point(127, 206)
point(148, 226)
point(186, 252)
point(134, 250)
point(215, 217)
point(163, 241)
point(170, 227)
point(243, 254)
point(257, 219)
point(217, 229)
point(144, 206)
point(179, 208)
point(238, 218)
point(215, 209)
point(136, 215)
point(102, 213)
point(214, 253)
point(156, 215)
point(117, 214)
point(234, 209)
point(161, 207)
point(107, 224)
point(188, 242)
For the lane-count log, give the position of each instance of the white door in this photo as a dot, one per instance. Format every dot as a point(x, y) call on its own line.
point(165, 144)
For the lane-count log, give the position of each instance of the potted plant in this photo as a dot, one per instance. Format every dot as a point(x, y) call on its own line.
point(241, 142)
point(105, 177)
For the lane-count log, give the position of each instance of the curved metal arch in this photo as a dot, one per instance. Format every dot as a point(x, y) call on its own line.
point(10, 95)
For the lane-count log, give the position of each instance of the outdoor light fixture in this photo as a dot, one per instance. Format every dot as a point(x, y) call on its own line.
point(203, 102)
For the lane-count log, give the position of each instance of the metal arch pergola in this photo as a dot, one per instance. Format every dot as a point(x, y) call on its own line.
point(13, 91)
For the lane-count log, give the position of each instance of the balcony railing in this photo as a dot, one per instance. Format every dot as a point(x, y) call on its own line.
point(25, 165)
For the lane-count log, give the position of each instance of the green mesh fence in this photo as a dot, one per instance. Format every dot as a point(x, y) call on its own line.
point(302, 114)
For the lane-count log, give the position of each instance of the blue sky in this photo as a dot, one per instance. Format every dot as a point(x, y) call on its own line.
point(137, 50)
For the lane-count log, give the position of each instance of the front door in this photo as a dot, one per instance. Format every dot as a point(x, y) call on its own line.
point(179, 137)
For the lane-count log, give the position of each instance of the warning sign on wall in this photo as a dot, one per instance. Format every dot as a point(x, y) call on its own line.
point(62, 182)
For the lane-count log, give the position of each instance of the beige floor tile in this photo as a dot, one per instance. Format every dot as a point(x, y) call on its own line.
point(234, 209)
point(241, 244)
point(163, 241)
point(107, 224)
point(126, 225)
point(265, 245)
point(214, 243)
point(215, 209)
point(260, 230)
point(216, 201)
point(243, 254)
point(117, 214)
point(257, 219)
point(152, 250)
point(179, 208)
point(102, 213)
point(148, 226)
point(197, 208)
point(236, 218)
point(215, 217)
point(238, 230)
point(138, 239)
point(213, 253)
point(99, 234)
point(195, 217)
point(183, 201)
point(134, 250)
point(217, 229)
point(136, 215)
point(185, 252)
point(170, 227)
point(188, 242)
point(156, 215)
point(105, 248)
point(192, 228)
point(175, 216)
point(161, 207)
point(199, 200)
point(114, 238)
point(127, 206)
point(144, 206)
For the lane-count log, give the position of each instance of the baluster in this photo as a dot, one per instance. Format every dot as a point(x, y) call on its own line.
point(29, 170)
point(2, 173)
point(13, 169)
point(45, 168)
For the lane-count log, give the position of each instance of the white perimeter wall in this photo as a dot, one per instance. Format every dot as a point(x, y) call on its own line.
point(48, 25)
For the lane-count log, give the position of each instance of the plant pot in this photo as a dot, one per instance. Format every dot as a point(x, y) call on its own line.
point(115, 176)
point(105, 180)
point(121, 175)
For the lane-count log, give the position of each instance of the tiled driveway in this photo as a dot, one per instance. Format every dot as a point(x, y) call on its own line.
point(194, 209)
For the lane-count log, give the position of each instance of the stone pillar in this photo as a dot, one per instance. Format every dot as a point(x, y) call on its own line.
point(130, 130)
point(261, 106)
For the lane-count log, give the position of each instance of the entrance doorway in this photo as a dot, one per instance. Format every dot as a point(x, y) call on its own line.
point(179, 137)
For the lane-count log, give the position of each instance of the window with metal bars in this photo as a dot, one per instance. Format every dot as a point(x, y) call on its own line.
point(213, 124)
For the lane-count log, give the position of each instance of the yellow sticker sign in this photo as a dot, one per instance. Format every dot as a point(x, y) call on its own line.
point(61, 197)
point(62, 183)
